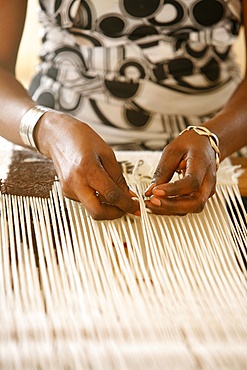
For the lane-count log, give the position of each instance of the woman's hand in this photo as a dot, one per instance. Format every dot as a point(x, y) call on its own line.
point(192, 156)
point(86, 166)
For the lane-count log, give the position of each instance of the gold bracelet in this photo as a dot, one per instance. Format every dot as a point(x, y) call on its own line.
point(28, 123)
point(213, 139)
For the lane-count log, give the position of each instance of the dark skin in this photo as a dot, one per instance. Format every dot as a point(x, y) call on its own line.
point(193, 155)
point(86, 164)
point(83, 161)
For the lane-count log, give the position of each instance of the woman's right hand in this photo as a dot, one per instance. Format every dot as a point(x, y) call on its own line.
point(86, 166)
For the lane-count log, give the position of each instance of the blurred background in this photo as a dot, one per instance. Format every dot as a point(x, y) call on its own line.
point(29, 48)
point(28, 53)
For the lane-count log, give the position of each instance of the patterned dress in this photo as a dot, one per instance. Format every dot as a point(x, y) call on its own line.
point(137, 71)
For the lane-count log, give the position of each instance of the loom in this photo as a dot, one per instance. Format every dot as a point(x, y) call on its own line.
point(149, 292)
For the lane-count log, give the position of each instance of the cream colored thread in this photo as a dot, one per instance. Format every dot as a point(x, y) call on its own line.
point(176, 295)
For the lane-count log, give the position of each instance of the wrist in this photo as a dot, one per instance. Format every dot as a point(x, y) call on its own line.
point(213, 140)
point(43, 132)
point(225, 125)
point(28, 124)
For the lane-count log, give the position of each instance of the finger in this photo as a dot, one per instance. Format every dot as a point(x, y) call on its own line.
point(113, 188)
point(117, 176)
point(85, 182)
point(97, 206)
point(180, 205)
point(149, 190)
point(167, 166)
point(185, 186)
point(97, 209)
point(161, 188)
point(104, 203)
point(103, 200)
point(169, 163)
point(113, 169)
point(194, 175)
point(175, 205)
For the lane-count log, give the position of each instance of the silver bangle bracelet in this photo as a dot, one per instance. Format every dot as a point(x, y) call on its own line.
point(213, 139)
point(28, 123)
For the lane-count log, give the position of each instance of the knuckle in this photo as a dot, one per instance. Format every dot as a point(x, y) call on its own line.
point(66, 191)
point(160, 172)
point(195, 183)
point(112, 196)
point(103, 214)
point(96, 216)
point(120, 179)
point(70, 179)
point(172, 150)
point(66, 185)
point(199, 207)
point(96, 213)
point(213, 191)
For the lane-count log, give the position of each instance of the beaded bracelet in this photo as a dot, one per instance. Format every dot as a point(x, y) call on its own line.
point(213, 139)
point(28, 123)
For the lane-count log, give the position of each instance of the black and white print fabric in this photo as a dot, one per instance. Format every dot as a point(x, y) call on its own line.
point(138, 71)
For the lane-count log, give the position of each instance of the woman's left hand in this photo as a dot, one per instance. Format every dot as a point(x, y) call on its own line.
point(191, 155)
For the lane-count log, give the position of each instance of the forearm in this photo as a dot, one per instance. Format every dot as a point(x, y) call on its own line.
point(15, 102)
point(230, 124)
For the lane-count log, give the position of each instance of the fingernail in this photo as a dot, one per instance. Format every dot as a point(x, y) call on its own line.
point(155, 201)
point(159, 192)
